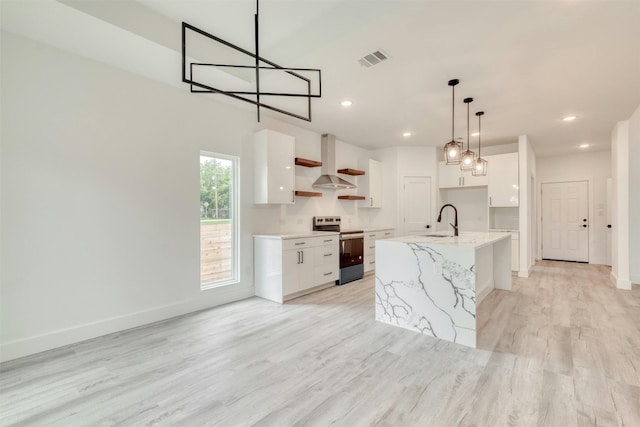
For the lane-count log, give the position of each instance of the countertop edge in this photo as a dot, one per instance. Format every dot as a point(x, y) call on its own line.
point(302, 235)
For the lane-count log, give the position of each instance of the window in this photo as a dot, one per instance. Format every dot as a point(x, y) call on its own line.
point(218, 220)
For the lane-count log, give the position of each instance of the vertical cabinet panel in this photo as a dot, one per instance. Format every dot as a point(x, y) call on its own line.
point(274, 173)
point(370, 184)
point(503, 180)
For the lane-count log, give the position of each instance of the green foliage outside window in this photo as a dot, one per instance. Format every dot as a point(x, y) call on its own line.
point(215, 188)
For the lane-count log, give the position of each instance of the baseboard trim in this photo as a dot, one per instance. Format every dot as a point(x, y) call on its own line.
point(621, 283)
point(524, 272)
point(38, 343)
point(599, 261)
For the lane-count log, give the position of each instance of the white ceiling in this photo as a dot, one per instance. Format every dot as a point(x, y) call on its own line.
point(526, 63)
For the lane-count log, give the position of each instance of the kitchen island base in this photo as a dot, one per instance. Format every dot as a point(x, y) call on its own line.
point(433, 285)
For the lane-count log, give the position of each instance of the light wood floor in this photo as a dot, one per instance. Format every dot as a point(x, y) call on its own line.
point(563, 349)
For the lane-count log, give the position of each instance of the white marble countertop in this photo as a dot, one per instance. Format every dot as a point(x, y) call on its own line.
point(466, 239)
point(298, 235)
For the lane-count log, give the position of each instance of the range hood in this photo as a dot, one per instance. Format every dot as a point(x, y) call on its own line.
point(328, 179)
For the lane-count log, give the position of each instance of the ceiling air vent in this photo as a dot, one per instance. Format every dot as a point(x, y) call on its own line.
point(373, 58)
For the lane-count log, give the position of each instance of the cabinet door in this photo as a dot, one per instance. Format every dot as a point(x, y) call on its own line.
point(370, 185)
point(469, 180)
point(306, 277)
point(375, 184)
point(291, 260)
point(515, 254)
point(274, 167)
point(503, 180)
point(449, 176)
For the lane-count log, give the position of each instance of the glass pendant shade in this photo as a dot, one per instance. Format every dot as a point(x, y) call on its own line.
point(479, 167)
point(480, 164)
point(468, 158)
point(452, 149)
point(452, 152)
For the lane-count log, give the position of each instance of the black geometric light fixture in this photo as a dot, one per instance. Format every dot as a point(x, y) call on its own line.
point(480, 164)
point(468, 159)
point(452, 149)
point(255, 97)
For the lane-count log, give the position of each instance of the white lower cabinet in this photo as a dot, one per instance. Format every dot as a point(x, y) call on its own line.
point(287, 268)
point(370, 238)
point(515, 251)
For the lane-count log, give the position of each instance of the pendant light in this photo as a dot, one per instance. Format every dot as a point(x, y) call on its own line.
point(480, 165)
point(468, 159)
point(452, 149)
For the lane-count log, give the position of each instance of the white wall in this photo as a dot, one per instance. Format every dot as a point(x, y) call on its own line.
point(397, 163)
point(634, 196)
point(527, 177)
point(620, 200)
point(595, 168)
point(472, 205)
point(100, 197)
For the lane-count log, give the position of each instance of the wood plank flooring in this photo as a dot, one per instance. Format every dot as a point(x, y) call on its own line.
point(562, 349)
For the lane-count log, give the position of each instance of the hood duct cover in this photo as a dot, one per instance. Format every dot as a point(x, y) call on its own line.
point(328, 179)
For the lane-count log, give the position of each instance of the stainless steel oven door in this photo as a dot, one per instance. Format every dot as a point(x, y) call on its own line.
point(351, 249)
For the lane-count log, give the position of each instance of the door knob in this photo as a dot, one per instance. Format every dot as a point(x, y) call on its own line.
point(608, 225)
point(585, 219)
point(584, 225)
point(427, 226)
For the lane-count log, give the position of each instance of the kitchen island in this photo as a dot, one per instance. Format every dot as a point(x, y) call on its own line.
point(433, 284)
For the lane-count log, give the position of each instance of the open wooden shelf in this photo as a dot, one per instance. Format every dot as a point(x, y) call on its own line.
point(349, 171)
point(307, 194)
point(351, 197)
point(307, 163)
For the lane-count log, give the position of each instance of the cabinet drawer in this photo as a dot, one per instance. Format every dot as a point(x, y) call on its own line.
point(327, 255)
point(329, 240)
point(370, 247)
point(326, 274)
point(297, 243)
point(387, 234)
point(373, 235)
point(309, 242)
point(369, 264)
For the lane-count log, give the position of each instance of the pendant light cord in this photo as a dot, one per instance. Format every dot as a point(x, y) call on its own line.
point(468, 127)
point(479, 133)
point(453, 108)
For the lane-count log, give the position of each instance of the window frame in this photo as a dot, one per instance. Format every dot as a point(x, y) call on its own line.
point(235, 220)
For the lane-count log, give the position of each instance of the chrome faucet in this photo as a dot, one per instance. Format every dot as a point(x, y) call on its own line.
point(455, 226)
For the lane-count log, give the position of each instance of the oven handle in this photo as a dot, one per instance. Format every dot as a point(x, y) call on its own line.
point(352, 236)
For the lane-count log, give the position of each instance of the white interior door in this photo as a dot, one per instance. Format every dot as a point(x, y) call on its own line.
point(565, 221)
point(416, 204)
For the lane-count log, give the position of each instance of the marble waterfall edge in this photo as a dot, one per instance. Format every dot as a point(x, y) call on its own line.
point(427, 288)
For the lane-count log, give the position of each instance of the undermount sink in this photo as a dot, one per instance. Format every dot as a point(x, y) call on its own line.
point(438, 235)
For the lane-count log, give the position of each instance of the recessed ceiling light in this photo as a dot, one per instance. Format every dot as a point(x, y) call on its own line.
point(569, 118)
point(406, 134)
point(584, 145)
point(346, 103)
point(475, 134)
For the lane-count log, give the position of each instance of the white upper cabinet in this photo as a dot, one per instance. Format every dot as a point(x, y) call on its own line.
point(502, 170)
point(469, 180)
point(274, 176)
point(450, 176)
point(370, 184)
